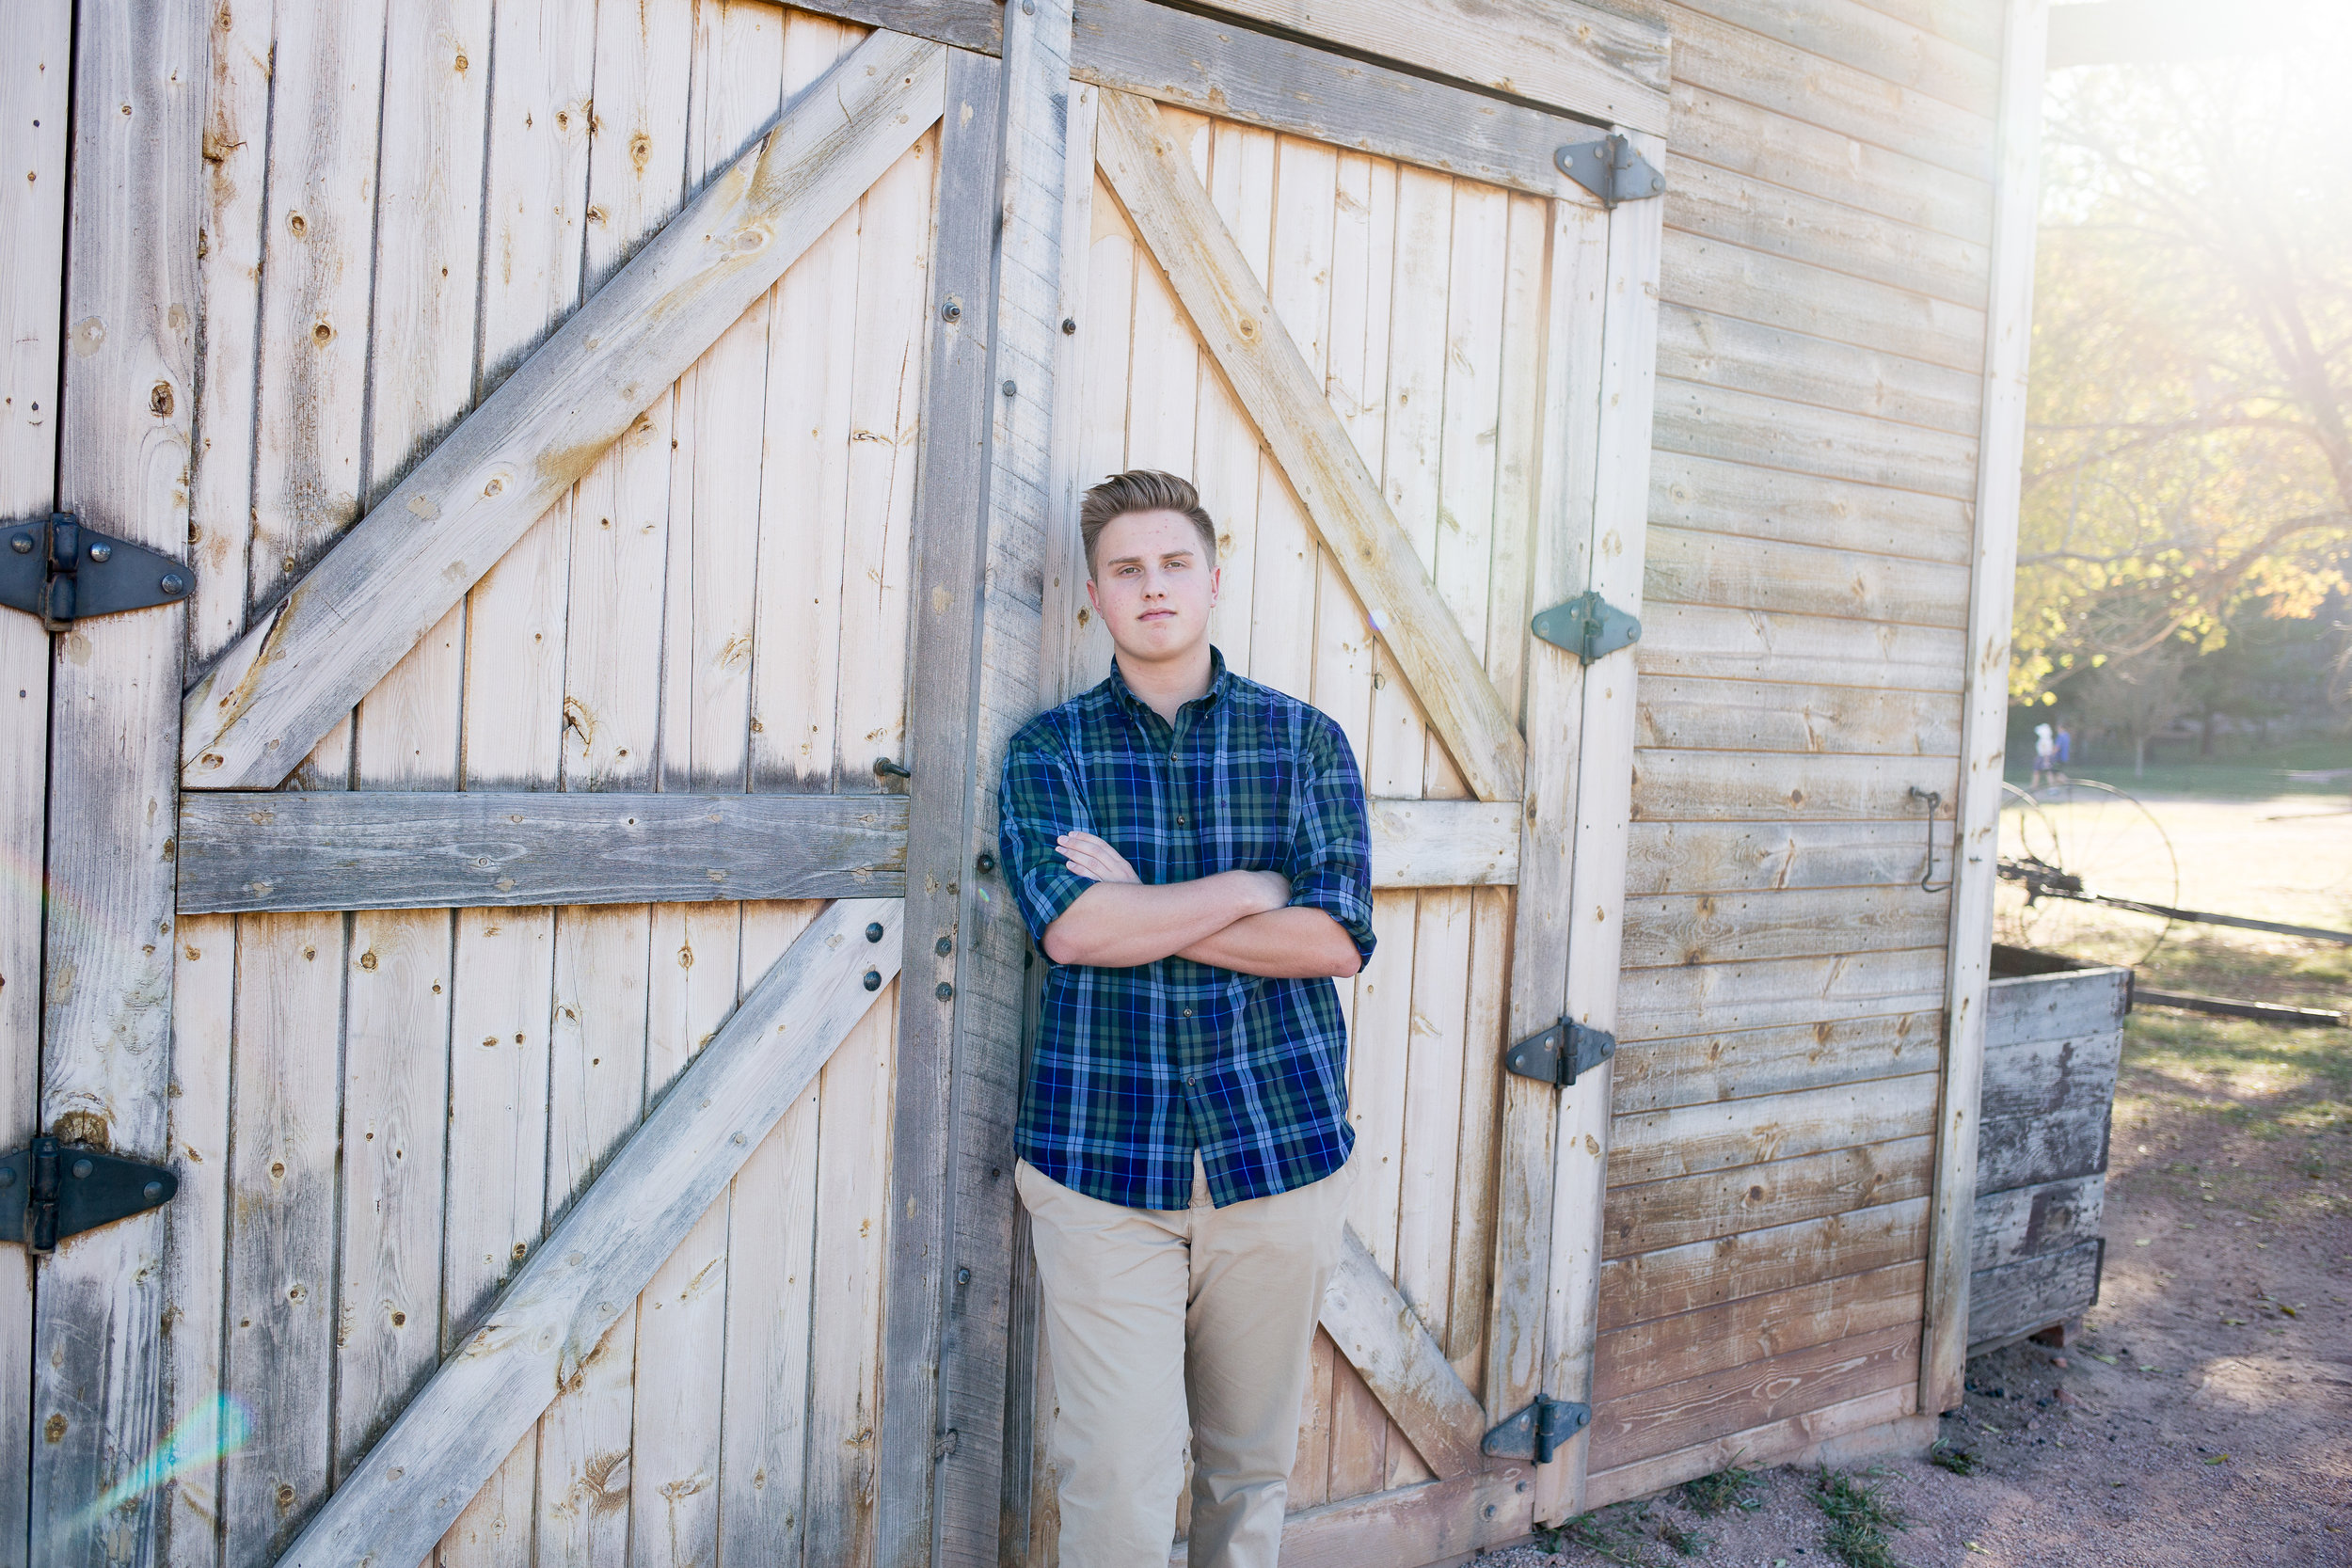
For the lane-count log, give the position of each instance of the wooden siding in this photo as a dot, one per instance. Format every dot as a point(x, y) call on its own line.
point(1820, 346)
point(718, 605)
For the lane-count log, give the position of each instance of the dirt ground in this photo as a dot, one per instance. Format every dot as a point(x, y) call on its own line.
point(2206, 1415)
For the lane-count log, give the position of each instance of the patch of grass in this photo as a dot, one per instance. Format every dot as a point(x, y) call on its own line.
point(1720, 1493)
point(1859, 1517)
point(1688, 1543)
point(1596, 1534)
point(1959, 1460)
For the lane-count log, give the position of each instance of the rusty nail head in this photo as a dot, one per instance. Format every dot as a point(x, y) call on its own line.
point(873, 979)
point(964, 1277)
point(952, 310)
point(1010, 388)
point(944, 991)
point(943, 947)
point(874, 931)
point(1069, 325)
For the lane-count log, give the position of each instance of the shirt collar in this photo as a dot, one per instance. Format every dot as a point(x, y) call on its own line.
point(1219, 684)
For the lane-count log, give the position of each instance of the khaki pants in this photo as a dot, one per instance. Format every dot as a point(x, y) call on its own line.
point(1154, 1313)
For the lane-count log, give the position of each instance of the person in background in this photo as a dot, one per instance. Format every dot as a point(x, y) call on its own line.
point(2044, 757)
point(2065, 738)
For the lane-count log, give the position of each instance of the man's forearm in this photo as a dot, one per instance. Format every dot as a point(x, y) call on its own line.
point(1120, 925)
point(1282, 944)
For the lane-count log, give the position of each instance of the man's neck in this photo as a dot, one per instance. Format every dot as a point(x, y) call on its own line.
point(1164, 685)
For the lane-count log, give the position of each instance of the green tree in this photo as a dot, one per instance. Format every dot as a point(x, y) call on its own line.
point(2189, 456)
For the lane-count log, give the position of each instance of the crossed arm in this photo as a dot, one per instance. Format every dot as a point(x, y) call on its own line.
point(1237, 920)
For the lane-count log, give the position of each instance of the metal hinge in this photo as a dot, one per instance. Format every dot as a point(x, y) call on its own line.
point(69, 1190)
point(62, 571)
point(1611, 170)
point(1560, 1053)
point(1537, 1432)
point(1588, 626)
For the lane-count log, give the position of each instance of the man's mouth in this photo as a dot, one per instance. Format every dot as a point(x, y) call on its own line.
point(1157, 616)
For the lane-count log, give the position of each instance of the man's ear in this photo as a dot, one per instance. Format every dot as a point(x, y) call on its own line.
point(1092, 597)
point(1216, 584)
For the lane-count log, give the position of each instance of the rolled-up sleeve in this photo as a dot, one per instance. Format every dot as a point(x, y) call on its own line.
point(1331, 858)
point(1038, 802)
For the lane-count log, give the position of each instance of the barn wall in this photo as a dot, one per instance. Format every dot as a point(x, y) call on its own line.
point(1821, 328)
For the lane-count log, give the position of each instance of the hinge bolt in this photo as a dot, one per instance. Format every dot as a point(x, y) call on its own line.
point(873, 979)
point(874, 931)
point(22, 544)
point(101, 553)
point(173, 583)
point(944, 991)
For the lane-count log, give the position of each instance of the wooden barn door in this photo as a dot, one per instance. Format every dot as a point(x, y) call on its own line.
point(499, 937)
point(1417, 404)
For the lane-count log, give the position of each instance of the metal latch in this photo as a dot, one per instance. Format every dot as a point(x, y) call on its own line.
point(66, 1191)
point(1611, 170)
point(1537, 1432)
point(1588, 626)
point(62, 571)
point(1560, 1053)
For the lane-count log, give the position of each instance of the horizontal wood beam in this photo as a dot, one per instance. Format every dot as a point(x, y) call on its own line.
point(1153, 180)
point(1598, 64)
point(275, 851)
point(1382, 1337)
point(1222, 68)
point(243, 852)
point(582, 1279)
point(307, 663)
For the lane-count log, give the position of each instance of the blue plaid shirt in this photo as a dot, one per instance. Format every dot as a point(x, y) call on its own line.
point(1136, 1069)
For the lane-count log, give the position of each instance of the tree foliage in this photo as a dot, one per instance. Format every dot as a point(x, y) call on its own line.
point(2188, 458)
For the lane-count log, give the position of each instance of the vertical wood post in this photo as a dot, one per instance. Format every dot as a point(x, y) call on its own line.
point(2000, 457)
point(129, 392)
point(983, 511)
point(1604, 803)
point(33, 90)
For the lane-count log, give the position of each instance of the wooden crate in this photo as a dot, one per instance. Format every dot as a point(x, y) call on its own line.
point(2053, 1038)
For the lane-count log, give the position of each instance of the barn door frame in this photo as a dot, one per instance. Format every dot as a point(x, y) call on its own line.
point(1567, 784)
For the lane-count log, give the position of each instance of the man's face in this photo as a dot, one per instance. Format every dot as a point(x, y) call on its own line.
point(1153, 584)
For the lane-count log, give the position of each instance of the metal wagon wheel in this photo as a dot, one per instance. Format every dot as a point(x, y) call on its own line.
point(2081, 837)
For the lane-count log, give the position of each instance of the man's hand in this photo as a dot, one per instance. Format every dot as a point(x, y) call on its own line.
point(1094, 859)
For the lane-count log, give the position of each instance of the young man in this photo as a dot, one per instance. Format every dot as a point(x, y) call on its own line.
point(1189, 848)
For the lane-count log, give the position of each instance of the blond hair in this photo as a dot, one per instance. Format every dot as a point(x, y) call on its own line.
point(1142, 490)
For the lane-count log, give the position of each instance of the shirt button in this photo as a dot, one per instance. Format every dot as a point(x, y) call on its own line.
point(1188, 1082)
point(1187, 1014)
point(1183, 821)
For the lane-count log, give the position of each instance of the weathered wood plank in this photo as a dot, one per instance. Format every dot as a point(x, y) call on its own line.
point(1235, 318)
point(418, 850)
point(1699, 345)
point(1694, 714)
point(1739, 1333)
point(2027, 1222)
point(1235, 74)
point(35, 91)
point(1740, 498)
point(984, 483)
point(1759, 69)
point(1444, 843)
point(1652, 1145)
point(1654, 1215)
point(1773, 290)
point(1770, 645)
point(1723, 130)
point(1591, 60)
point(1659, 1074)
point(132, 297)
point(1833, 443)
point(2043, 1118)
point(1384, 1339)
point(292, 677)
point(1823, 230)
point(1622, 442)
point(1661, 1004)
point(2007, 354)
point(1791, 1441)
point(279, 1306)
point(1746, 786)
point(567, 1296)
point(2032, 1293)
point(1723, 857)
point(1758, 1262)
point(1869, 40)
point(1659, 1421)
point(204, 1010)
point(1707, 927)
point(2023, 1009)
